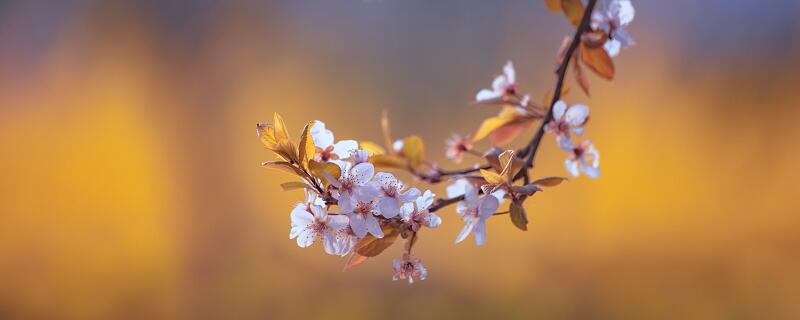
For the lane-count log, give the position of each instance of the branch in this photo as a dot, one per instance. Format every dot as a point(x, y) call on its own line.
point(529, 151)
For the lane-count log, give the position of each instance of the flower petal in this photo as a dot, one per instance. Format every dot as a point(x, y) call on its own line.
point(389, 207)
point(322, 136)
point(572, 167)
point(410, 195)
point(306, 237)
point(343, 149)
point(362, 173)
point(358, 224)
point(337, 221)
point(486, 94)
point(479, 233)
point(466, 230)
point(456, 188)
point(374, 227)
point(576, 115)
point(559, 109)
point(488, 205)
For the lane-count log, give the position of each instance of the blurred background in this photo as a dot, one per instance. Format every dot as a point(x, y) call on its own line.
point(130, 184)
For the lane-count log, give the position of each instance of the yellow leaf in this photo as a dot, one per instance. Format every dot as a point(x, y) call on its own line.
point(282, 138)
point(573, 10)
point(293, 185)
point(306, 149)
point(266, 132)
point(549, 181)
point(285, 167)
point(518, 217)
point(372, 148)
point(413, 150)
point(553, 5)
point(370, 246)
point(509, 114)
point(506, 133)
point(325, 171)
point(598, 60)
point(388, 161)
point(492, 178)
point(511, 165)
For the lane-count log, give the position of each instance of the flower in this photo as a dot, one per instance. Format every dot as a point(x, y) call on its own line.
point(456, 146)
point(502, 86)
point(611, 17)
point(584, 157)
point(355, 182)
point(359, 156)
point(567, 120)
point(326, 149)
point(311, 221)
point(362, 217)
point(408, 268)
point(346, 240)
point(416, 214)
point(474, 211)
point(392, 197)
point(457, 188)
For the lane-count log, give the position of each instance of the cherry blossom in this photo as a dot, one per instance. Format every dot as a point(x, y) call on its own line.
point(362, 217)
point(355, 182)
point(474, 211)
point(416, 214)
point(502, 86)
point(457, 188)
point(392, 196)
point(583, 157)
point(408, 268)
point(456, 146)
point(611, 17)
point(346, 239)
point(359, 156)
point(566, 121)
point(326, 149)
point(311, 221)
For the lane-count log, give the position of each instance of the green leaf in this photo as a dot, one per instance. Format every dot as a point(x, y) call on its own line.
point(518, 217)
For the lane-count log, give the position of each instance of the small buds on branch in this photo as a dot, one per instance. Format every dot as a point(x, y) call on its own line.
point(356, 208)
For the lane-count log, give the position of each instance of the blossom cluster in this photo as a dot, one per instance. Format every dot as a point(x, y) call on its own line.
point(356, 206)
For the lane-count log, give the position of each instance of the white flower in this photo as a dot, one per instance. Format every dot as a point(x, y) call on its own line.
point(456, 146)
point(359, 156)
point(362, 217)
point(416, 214)
point(355, 182)
point(392, 197)
point(474, 211)
point(502, 85)
point(567, 120)
point(326, 149)
point(584, 157)
point(310, 222)
point(346, 240)
point(611, 17)
point(408, 268)
point(457, 188)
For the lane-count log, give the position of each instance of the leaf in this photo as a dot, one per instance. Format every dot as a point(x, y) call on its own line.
point(284, 166)
point(573, 10)
point(553, 5)
point(372, 148)
point(493, 158)
point(518, 217)
point(580, 77)
point(370, 246)
point(354, 260)
point(306, 148)
point(413, 150)
point(266, 132)
point(293, 185)
point(325, 171)
point(527, 190)
point(492, 178)
point(285, 146)
point(549, 181)
point(504, 127)
point(598, 60)
point(388, 161)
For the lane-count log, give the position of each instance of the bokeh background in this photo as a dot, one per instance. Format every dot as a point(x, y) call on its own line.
point(130, 186)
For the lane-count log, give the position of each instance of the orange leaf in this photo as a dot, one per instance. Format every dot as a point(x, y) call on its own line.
point(580, 77)
point(284, 166)
point(598, 60)
point(549, 181)
point(306, 148)
point(354, 260)
point(553, 5)
point(573, 10)
point(506, 133)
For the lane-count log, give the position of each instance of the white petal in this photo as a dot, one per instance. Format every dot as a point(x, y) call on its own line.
point(499, 84)
point(300, 220)
point(389, 207)
point(426, 200)
point(590, 171)
point(362, 173)
point(456, 188)
point(346, 203)
point(320, 213)
point(479, 233)
point(508, 71)
point(366, 193)
point(488, 206)
point(337, 221)
point(358, 224)
point(612, 46)
point(432, 220)
point(470, 194)
point(329, 242)
point(572, 167)
point(322, 137)
point(626, 12)
point(343, 149)
point(558, 110)
point(565, 143)
point(486, 94)
point(576, 115)
point(465, 231)
point(397, 145)
point(385, 180)
point(374, 227)
point(410, 195)
point(407, 211)
point(499, 195)
point(306, 237)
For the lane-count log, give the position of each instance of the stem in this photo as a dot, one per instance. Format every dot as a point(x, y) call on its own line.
point(529, 151)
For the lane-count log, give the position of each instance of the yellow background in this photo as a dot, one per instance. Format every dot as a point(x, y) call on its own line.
point(130, 185)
